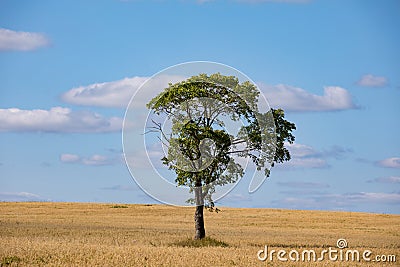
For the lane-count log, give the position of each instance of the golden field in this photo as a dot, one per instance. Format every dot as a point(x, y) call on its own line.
point(82, 234)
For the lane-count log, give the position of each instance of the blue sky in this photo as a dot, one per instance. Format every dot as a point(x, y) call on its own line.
point(332, 65)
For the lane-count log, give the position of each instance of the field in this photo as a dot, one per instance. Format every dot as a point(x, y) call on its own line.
point(81, 234)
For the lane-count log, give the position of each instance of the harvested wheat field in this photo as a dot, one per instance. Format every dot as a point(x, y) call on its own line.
point(80, 234)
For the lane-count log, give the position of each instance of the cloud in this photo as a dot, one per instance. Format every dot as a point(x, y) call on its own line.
point(387, 180)
point(22, 41)
point(304, 151)
point(94, 160)
point(117, 94)
point(69, 158)
point(121, 188)
point(303, 156)
point(107, 94)
point(345, 201)
point(313, 163)
point(303, 188)
point(20, 196)
point(336, 152)
point(370, 80)
point(390, 163)
point(292, 98)
point(300, 150)
point(234, 198)
point(393, 198)
point(97, 160)
point(303, 184)
point(56, 120)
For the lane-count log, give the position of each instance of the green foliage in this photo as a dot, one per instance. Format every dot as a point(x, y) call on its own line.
point(204, 242)
point(8, 261)
point(283, 130)
point(195, 107)
point(211, 207)
point(119, 207)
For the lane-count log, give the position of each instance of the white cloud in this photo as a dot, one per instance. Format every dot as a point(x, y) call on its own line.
point(303, 151)
point(390, 163)
point(22, 41)
point(20, 196)
point(119, 93)
point(69, 158)
point(373, 197)
point(305, 163)
point(56, 120)
point(234, 198)
point(300, 150)
point(303, 184)
point(303, 156)
point(345, 201)
point(94, 160)
point(297, 99)
point(370, 80)
point(388, 180)
point(108, 94)
point(121, 188)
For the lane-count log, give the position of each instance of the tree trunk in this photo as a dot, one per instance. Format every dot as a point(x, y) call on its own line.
point(198, 215)
point(199, 223)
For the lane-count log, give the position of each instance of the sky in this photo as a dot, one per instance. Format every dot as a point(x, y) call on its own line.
point(69, 68)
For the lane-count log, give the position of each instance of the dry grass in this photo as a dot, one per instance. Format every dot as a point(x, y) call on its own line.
point(78, 234)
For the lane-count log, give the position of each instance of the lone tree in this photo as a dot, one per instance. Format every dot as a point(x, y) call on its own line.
point(201, 151)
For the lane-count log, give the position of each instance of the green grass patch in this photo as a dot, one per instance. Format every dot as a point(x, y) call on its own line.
point(119, 207)
point(7, 261)
point(197, 243)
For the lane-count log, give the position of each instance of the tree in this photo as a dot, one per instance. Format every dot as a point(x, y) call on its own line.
point(201, 151)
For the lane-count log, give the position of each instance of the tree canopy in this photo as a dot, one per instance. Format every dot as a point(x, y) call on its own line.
point(200, 150)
